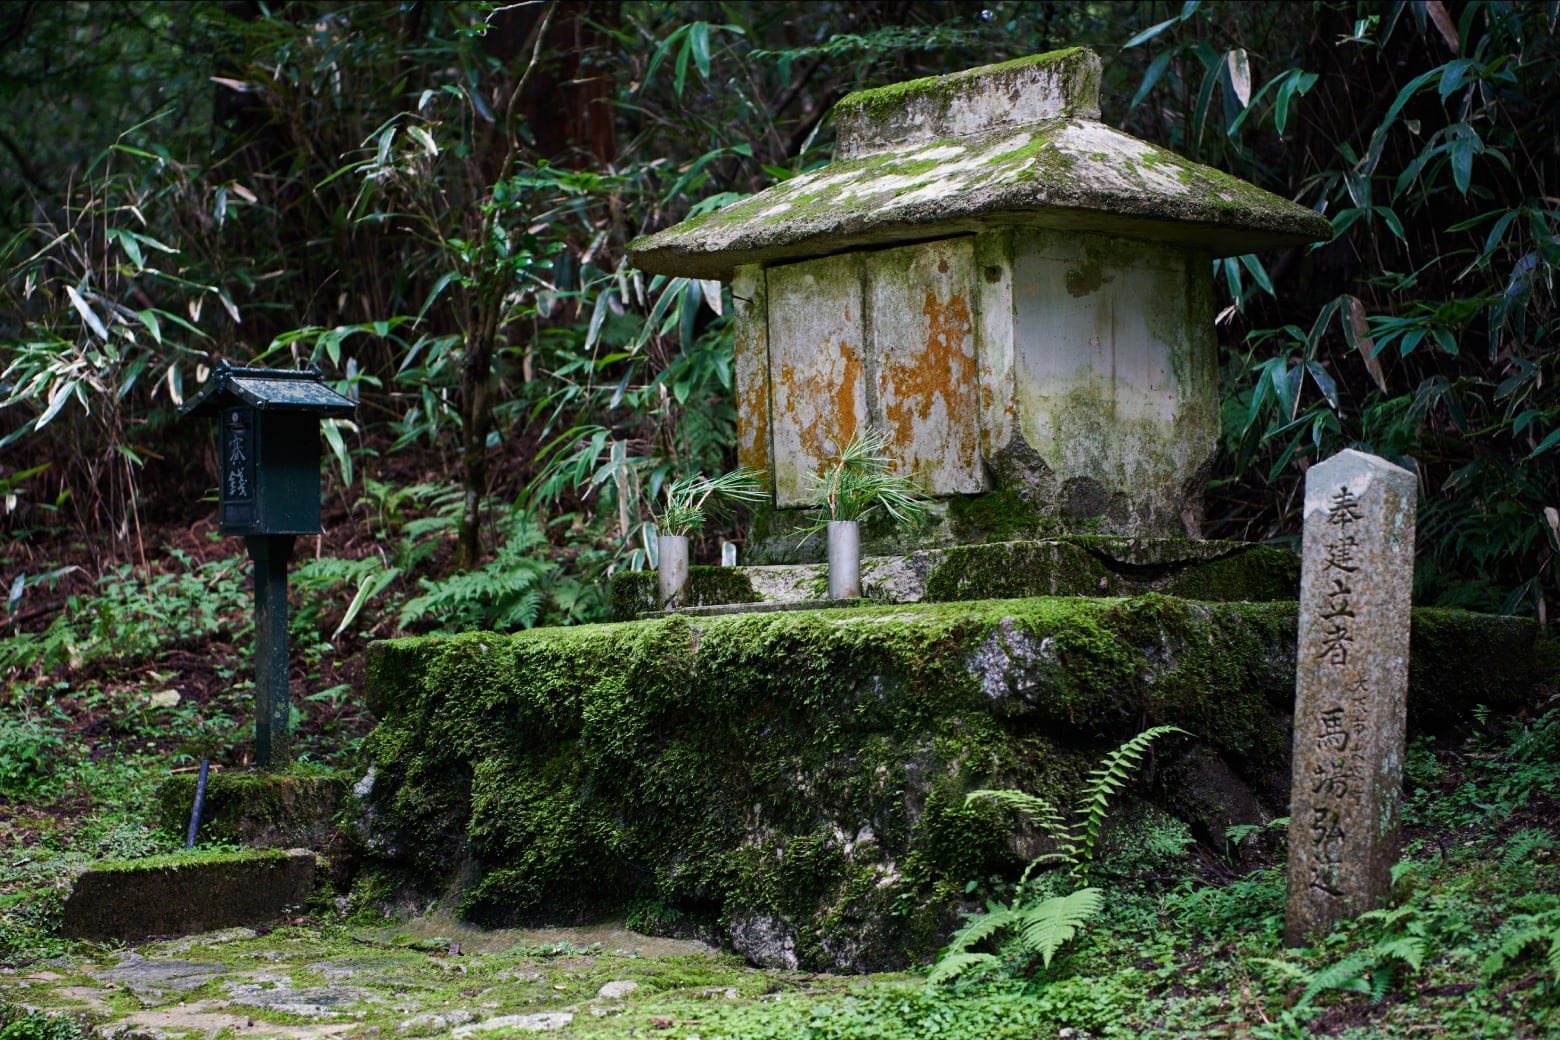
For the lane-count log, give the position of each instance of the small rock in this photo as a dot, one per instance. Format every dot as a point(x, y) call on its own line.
point(541, 1022)
point(433, 1022)
point(617, 989)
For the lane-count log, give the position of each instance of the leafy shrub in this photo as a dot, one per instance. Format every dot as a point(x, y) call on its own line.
point(519, 587)
point(29, 754)
point(19, 1024)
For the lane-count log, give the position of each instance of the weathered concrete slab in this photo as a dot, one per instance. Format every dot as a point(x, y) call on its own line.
point(817, 369)
point(750, 363)
point(1114, 385)
point(921, 329)
point(180, 894)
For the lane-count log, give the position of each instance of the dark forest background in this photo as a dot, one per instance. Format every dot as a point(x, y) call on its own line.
point(431, 201)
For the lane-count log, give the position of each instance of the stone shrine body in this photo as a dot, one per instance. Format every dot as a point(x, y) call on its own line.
point(1018, 294)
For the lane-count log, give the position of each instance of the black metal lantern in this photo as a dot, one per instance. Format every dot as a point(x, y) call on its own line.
point(269, 464)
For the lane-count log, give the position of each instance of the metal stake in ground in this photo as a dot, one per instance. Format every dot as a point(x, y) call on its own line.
point(1351, 679)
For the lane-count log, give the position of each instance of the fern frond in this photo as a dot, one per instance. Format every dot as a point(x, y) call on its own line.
point(1049, 925)
point(982, 926)
point(1409, 949)
point(522, 612)
point(1523, 844)
point(957, 958)
point(953, 965)
point(1347, 976)
point(1518, 942)
point(1380, 982)
point(1108, 778)
point(1045, 814)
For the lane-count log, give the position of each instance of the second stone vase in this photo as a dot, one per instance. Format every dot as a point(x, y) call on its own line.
point(844, 559)
point(672, 570)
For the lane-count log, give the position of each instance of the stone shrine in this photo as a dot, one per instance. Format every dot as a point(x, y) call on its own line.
point(1351, 685)
point(1018, 294)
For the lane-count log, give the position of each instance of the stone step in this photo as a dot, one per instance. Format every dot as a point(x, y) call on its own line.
point(185, 893)
point(1077, 565)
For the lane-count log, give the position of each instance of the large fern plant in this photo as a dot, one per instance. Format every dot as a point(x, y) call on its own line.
point(1043, 927)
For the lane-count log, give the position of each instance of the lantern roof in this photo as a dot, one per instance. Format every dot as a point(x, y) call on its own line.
point(268, 390)
point(1014, 144)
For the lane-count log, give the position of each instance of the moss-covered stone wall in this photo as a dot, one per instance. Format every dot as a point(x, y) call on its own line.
point(794, 782)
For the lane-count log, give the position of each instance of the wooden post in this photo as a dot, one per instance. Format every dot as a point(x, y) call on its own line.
point(273, 708)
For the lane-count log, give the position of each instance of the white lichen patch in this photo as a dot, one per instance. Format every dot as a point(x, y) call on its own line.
point(1117, 162)
point(1057, 167)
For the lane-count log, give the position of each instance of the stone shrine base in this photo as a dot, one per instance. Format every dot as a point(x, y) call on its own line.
point(183, 893)
point(1076, 565)
point(791, 784)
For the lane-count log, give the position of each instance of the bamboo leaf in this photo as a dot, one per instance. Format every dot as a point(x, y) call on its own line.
point(1442, 20)
point(1239, 68)
point(87, 315)
point(1151, 78)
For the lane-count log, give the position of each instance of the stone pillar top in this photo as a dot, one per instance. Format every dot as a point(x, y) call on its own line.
point(1357, 471)
point(1060, 84)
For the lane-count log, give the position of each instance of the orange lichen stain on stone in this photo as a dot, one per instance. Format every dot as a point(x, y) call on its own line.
point(823, 401)
point(946, 370)
point(752, 402)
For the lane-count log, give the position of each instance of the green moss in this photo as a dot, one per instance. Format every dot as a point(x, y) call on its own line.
point(290, 808)
point(879, 102)
point(1013, 570)
point(192, 858)
point(807, 767)
point(1001, 515)
point(1100, 565)
point(635, 593)
point(1460, 661)
point(1260, 572)
point(1040, 158)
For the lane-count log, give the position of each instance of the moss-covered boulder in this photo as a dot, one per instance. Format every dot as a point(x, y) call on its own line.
point(794, 782)
point(294, 808)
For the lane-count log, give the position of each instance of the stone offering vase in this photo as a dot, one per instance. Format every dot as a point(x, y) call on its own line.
point(844, 559)
point(672, 570)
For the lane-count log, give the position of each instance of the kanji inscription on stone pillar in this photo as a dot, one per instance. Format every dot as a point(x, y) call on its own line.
point(1351, 681)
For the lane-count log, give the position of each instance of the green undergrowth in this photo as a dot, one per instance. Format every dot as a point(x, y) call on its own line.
point(1467, 946)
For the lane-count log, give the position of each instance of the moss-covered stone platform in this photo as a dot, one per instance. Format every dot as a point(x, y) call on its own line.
point(280, 810)
point(187, 892)
point(1074, 565)
point(792, 784)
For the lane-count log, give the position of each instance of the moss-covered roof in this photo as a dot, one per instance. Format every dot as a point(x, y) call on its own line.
point(1069, 171)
